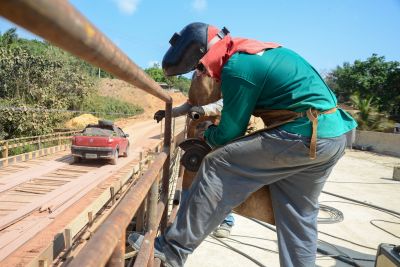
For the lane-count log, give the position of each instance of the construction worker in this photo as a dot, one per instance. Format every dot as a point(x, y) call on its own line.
point(196, 112)
point(303, 140)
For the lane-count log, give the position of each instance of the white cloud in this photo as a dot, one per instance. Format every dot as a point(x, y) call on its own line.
point(199, 5)
point(127, 6)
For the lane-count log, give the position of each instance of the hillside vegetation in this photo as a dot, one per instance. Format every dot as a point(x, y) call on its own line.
point(42, 86)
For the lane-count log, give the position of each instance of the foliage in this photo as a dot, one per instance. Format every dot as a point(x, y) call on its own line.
point(104, 105)
point(156, 73)
point(180, 82)
point(24, 122)
point(374, 78)
point(36, 77)
point(367, 116)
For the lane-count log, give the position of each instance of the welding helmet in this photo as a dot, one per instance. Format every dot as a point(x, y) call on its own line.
point(189, 46)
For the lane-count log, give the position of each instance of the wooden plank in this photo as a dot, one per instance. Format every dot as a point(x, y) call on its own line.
point(15, 179)
point(65, 191)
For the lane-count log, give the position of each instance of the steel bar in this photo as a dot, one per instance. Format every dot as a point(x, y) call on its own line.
point(61, 24)
point(148, 242)
point(166, 174)
point(152, 209)
point(117, 258)
point(97, 251)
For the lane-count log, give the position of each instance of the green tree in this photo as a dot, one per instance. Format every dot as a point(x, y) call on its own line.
point(367, 116)
point(34, 79)
point(374, 77)
point(9, 37)
point(156, 73)
point(180, 82)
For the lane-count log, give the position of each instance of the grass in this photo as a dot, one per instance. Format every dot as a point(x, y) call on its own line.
point(108, 106)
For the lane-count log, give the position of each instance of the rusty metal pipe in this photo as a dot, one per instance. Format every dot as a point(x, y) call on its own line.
point(148, 241)
point(61, 24)
point(97, 251)
point(166, 174)
point(152, 209)
point(117, 258)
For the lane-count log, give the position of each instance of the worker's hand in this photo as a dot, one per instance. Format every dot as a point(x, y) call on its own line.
point(159, 115)
point(201, 128)
point(196, 112)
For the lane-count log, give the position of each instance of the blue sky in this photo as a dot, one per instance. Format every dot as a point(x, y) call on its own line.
point(325, 32)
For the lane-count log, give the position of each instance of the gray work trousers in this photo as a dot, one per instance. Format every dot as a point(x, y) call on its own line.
point(229, 174)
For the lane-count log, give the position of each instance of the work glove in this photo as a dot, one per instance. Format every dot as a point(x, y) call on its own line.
point(159, 115)
point(196, 112)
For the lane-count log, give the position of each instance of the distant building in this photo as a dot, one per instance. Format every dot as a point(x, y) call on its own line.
point(169, 88)
point(165, 86)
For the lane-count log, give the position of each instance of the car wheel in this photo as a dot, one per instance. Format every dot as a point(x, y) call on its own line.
point(114, 160)
point(77, 159)
point(126, 154)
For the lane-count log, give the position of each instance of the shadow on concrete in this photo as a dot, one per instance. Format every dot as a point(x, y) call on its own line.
point(157, 136)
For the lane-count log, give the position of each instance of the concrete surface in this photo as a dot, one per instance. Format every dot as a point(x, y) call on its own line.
point(364, 176)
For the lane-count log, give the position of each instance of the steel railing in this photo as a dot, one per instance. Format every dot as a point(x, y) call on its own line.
point(61, 24)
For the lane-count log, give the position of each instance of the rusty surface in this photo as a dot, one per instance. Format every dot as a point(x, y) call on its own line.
point(117, 257)
point(152, 209)
point(166, 174)
point(61, 24)
point(97, 251)
point(146, 250)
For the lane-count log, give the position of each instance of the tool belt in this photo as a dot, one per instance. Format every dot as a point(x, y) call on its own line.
point(274, 118)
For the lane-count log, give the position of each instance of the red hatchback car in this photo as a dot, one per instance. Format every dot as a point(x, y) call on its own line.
point(100, 141)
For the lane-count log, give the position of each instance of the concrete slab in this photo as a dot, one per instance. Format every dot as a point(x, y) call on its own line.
point(363, 176)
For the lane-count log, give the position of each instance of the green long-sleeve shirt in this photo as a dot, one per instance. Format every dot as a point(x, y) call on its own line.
point(275, 79)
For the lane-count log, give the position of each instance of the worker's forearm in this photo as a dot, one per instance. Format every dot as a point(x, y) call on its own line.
point(181, 110)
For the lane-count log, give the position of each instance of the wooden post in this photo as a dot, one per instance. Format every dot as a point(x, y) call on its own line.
point(90, 218)
point(140, 162)
point(173, 129)
point(68, 238)
point(5, 163)
point(161, 130)
point(39, 144)
point(112, 192)
point(59, 139)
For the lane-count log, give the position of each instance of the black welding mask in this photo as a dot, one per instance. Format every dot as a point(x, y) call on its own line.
point(187, 48)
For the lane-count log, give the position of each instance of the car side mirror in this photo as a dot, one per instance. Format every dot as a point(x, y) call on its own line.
point(126, 135)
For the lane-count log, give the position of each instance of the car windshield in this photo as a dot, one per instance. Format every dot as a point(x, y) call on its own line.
point(94, 131)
